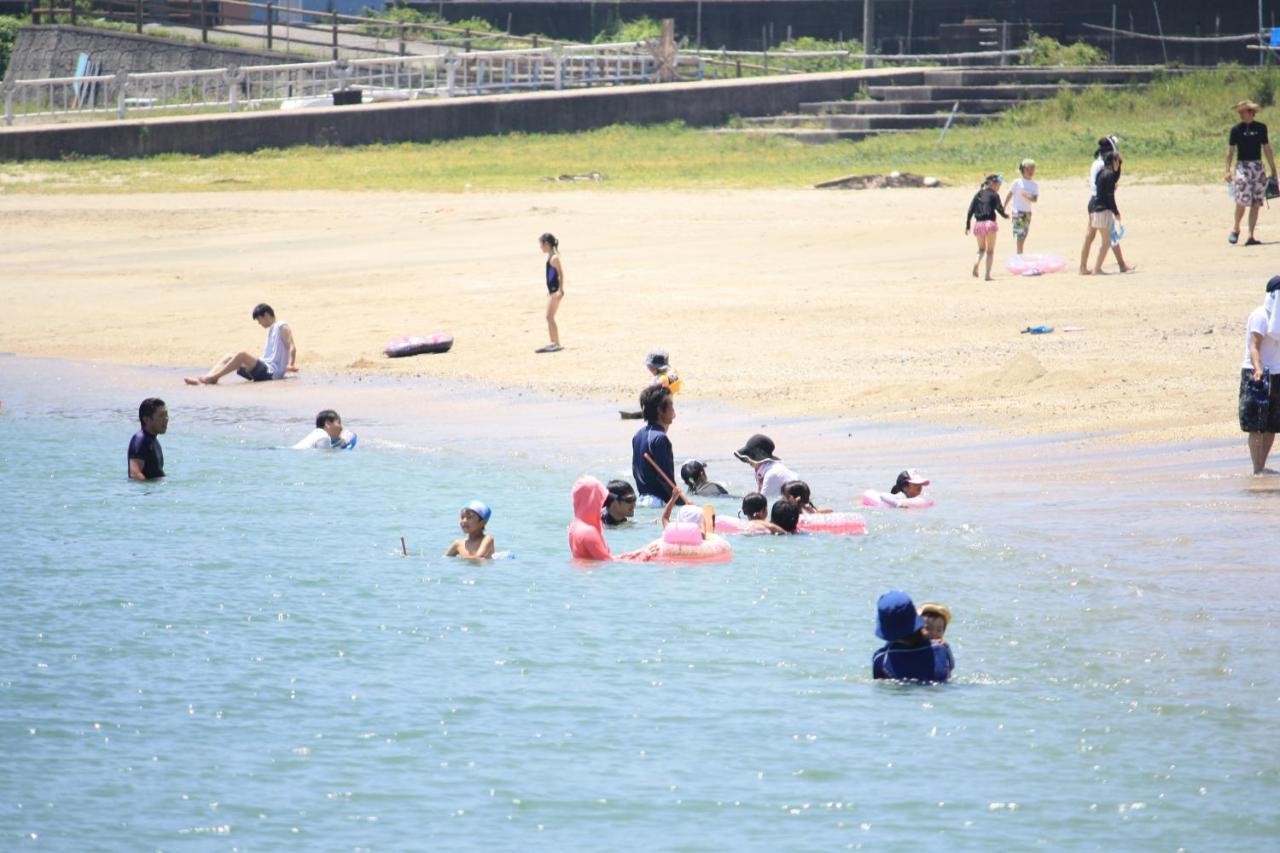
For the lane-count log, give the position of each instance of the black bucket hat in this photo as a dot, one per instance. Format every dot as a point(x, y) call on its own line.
point(759, 448)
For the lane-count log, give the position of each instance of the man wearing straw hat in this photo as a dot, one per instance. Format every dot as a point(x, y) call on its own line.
point(1249, 141)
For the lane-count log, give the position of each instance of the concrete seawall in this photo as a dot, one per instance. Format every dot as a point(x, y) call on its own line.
point(701, 104)
point(52, 51)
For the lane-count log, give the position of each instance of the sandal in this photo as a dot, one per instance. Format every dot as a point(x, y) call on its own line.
point(549, 348)
point(1233, 237)
point(1252, 242)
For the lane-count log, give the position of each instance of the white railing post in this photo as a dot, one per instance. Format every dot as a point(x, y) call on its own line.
point(233, 76)
point(9, 89)
point(122, 88)
point(450, 74)
point(559, 70)
point(343, 69)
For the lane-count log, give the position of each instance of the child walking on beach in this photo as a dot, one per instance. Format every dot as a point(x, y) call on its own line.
point(555, 289)
point(1106, 215)
point(477, 544)
point(1023, 192)
point(663, 373)
point(982, 213)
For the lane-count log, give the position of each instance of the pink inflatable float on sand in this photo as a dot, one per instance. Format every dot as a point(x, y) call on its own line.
point(1035, 264)
point(882, 500)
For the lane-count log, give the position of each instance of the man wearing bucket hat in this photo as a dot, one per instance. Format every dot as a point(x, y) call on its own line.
point(1259, 390)
point(1247, 143)
point(908, 654)
point(771, 474)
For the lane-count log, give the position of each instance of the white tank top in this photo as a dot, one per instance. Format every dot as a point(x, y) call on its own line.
point(276, 355)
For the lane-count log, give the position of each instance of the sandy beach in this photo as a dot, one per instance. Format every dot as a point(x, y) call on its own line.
point(852, 304)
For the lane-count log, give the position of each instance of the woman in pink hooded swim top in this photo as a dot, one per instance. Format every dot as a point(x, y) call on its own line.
point(586, 536)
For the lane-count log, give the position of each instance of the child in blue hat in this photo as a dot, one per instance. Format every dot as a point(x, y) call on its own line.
point(478, 544)
point(908, 653)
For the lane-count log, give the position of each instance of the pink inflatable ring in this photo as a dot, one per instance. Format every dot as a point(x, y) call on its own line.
point(1035, 264)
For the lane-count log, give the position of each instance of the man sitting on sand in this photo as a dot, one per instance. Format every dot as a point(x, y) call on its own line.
point(278, 358)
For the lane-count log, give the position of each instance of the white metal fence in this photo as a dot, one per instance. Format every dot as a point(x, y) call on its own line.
point(402, 77)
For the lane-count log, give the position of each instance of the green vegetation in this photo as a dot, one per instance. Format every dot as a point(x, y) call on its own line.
point(1047, 50)
point(485, 36)
point(8, 32)
point(641, 29)
point(1173, 130)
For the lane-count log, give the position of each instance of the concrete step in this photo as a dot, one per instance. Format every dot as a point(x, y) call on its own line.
point(825, 108)
point(963, 93)
point(809, 136)
point(1036, 74)
point(861, 122)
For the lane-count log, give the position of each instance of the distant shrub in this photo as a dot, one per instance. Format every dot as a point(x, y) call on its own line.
point(618, 30)
point(1046, 50)
point(8, 34)
point(821, 63)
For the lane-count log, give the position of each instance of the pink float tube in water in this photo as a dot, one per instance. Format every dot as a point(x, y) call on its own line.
point(846, 523)
point(1035, 264)
point(732, 526)
point(683, 543)
point(880, 500)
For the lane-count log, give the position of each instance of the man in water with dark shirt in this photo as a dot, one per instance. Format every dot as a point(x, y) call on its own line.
point(659, 410)
point(1249, 141)
point(146, 459)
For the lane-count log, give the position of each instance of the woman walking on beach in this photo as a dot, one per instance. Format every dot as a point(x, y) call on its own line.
point(984, 207)
point(1105, 218)
point(555, 289)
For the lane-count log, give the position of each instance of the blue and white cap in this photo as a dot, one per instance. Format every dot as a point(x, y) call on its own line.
point(480, 508)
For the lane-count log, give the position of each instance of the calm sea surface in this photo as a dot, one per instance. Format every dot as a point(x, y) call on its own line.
point(239, 658)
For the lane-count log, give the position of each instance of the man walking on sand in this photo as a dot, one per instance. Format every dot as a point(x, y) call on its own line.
point(278, 358)
point(1249, 182)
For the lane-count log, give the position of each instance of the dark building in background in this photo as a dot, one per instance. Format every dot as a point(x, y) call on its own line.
point(916, 26)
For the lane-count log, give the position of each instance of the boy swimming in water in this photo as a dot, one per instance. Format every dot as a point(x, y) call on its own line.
point(478, 544)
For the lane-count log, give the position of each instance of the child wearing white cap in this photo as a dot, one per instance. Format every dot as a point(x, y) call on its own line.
point(477, 544)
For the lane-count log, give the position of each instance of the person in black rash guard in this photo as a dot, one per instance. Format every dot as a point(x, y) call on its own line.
point(146, 458)
point(619, 504)
point(982, 213)
point(1105, 212)
point(659, 409)
point(1249, 141)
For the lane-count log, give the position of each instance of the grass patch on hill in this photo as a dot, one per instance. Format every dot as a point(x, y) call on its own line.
point(1174, 130)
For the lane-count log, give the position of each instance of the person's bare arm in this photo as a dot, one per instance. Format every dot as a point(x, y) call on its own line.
point(1255, 357)
point(666, 510)
point(1271, 158)
point(1008, 197)
point(287, 334)
point(135, 465)
point(453, 549)
point(1231, 153)
point(486, 549)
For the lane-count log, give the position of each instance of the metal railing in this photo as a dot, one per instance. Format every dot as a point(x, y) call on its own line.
point(398, 77)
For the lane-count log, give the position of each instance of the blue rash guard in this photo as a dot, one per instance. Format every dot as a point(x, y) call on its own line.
point(924, 662)
point(652, 439)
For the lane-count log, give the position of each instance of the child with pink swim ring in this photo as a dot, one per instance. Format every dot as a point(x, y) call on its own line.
point(982, 214)
point(907, 493)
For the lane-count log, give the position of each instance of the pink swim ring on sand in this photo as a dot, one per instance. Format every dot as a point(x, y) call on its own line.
point(1035, 264)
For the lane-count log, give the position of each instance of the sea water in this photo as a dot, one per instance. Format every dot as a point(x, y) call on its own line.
point(241, 657)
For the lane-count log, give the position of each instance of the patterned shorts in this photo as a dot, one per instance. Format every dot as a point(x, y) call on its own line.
point(1255, 416)
point(985, 227)
point(1250, 183)
point(1021, 224)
